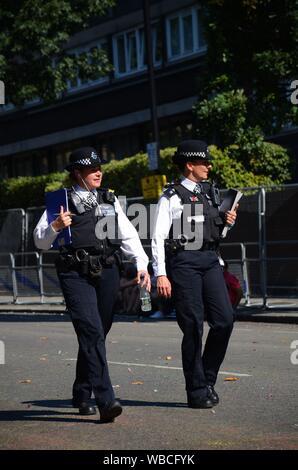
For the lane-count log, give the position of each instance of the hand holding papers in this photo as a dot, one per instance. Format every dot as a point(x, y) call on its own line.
point(229, 204)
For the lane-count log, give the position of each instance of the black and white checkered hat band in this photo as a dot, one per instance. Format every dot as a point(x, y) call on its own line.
point(84, 161)
point(194, 154)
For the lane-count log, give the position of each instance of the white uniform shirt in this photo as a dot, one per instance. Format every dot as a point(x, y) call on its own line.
point(167, 210)
point(44, 234)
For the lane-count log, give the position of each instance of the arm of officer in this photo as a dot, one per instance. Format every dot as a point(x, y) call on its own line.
point(45, 234)
point(162, 225)
point(132, 246)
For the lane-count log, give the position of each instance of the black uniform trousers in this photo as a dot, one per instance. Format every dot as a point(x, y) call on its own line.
point(90, 302)
point(199, 288)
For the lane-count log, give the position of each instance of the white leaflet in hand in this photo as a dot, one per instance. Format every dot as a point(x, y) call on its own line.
point(228, 204)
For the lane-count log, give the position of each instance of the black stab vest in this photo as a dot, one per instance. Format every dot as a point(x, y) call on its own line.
point(83, 228)
point(213, 222)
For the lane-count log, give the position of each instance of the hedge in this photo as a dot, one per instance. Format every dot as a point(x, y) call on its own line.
point(124, 176)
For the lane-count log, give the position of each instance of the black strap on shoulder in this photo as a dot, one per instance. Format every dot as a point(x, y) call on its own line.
point(106, 195)
point(169, 191)
point(183, 193)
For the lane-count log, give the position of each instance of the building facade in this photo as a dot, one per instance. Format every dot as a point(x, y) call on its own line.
point(112, 113)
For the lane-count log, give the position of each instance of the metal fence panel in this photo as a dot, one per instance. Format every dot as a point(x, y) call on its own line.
point(27, 274)
point(6, 280)
point(12, 230)
point(282, 214)
point(50, 282)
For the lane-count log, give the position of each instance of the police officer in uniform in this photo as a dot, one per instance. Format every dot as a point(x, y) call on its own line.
point(89, 275)
point(194, 277)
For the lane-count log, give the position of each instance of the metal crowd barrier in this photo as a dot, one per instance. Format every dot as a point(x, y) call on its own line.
point(30, 277)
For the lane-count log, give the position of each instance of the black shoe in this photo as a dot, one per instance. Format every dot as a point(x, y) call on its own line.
point(200, 403)
point(86, 409)
point(109, 412)
point(212, 395)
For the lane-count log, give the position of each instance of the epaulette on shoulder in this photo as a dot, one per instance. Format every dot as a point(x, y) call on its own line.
point(108, 194)
point(169, 190)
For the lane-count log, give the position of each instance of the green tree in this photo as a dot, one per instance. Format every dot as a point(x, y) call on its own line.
point(245, 87)
point(34, 62)
point(253, 46)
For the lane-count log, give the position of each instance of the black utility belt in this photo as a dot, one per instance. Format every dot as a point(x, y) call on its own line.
point(84, 262)
point(174, 246)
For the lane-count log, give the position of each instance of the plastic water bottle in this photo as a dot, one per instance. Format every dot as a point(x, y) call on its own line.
point(145, 299)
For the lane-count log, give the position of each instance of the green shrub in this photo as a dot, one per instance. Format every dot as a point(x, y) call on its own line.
point(124, 176)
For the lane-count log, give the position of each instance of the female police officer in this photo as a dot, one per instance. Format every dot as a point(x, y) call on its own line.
point(196, 276)
point(89, 276)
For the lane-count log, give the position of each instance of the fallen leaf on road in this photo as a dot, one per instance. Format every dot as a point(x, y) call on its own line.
point(116, 386)
point(129, 370)
point(43, 337)
point(231, 379)
point(43, 358)
point(137, 382)
point(168, 358)
point(25, 381)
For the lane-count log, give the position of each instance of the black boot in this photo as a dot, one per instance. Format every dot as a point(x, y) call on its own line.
point(110, 411)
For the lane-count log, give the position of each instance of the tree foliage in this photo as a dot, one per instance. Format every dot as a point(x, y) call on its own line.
point(253, 44)
point(245, 87)
point(34, 62)
point(124, 176)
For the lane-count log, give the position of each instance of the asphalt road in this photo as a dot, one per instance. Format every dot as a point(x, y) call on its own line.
point(258, 410)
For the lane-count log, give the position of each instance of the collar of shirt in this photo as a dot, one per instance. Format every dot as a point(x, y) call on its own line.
point(188, 184)
point(84, 192)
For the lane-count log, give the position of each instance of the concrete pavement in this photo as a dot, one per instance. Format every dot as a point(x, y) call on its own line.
point(258, 402)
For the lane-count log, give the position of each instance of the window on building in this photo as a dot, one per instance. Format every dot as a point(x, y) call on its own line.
point(129, 50)
point(184, 33)
point(78, 83)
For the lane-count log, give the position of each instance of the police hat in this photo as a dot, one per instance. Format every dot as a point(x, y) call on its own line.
point(84, 157)
point(191, 150)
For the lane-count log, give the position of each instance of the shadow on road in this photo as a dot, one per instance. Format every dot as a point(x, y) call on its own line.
point(43, 415)
point(65, 317)
point(68, 416)
point(32, 317)
point(67, 403)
